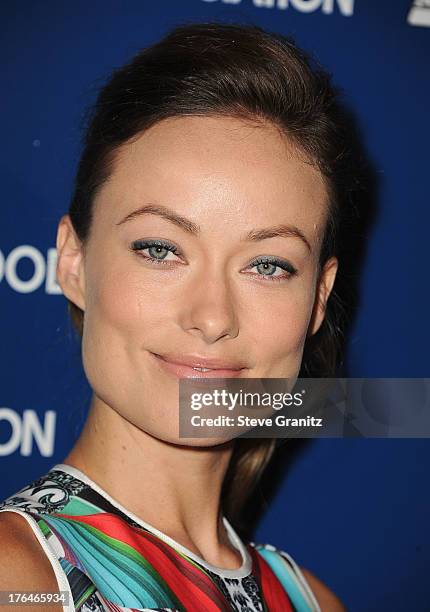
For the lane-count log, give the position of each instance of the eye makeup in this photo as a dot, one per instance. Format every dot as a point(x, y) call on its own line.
point(159, 249)
point(271, 263)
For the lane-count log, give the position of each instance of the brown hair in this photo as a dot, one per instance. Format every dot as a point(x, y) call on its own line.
point(240, 71)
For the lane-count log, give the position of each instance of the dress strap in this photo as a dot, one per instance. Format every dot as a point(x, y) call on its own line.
point(292, 579)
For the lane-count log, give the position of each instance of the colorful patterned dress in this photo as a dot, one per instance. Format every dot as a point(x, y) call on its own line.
point(107, 559)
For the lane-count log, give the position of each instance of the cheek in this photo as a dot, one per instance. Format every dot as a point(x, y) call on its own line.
point(280, 321)
point(126, 311)
point(114, 324)
point(120, 304)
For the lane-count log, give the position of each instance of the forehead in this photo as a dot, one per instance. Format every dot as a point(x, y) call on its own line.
point(222, 166)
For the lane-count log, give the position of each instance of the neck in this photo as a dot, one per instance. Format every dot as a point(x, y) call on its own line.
point(174, 488)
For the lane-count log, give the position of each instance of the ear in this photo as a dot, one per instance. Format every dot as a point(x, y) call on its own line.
point(323, 290)
point(70, 263)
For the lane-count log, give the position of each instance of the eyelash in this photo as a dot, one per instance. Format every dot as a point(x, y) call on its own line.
point(140, 245)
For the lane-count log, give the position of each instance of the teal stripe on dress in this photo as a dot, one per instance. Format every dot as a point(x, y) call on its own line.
point(287, 579)
point(115, 567)
point(80, 507)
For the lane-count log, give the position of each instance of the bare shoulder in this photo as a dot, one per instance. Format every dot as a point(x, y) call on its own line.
point(328, 601)
point(23, 563)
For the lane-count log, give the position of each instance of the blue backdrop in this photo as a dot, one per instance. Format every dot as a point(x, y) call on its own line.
point(355, 512)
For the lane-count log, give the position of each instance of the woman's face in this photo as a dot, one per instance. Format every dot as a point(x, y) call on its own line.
point(224, 194)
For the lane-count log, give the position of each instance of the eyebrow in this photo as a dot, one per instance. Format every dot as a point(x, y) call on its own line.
point(255, 235)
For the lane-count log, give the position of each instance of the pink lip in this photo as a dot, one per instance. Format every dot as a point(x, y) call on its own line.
point(184, 371)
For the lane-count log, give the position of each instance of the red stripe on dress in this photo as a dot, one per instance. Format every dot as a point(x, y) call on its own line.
point(273, 592)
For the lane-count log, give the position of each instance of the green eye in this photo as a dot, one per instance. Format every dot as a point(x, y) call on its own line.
point(267, 266)
point(157, 250)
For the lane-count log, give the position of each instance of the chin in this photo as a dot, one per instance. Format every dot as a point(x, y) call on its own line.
point(199, 442)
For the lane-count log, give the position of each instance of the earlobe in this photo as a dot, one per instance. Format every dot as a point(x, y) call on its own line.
point(323, 290)
point(70, 268)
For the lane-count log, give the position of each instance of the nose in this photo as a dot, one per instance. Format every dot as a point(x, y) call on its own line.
point(209, 310)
